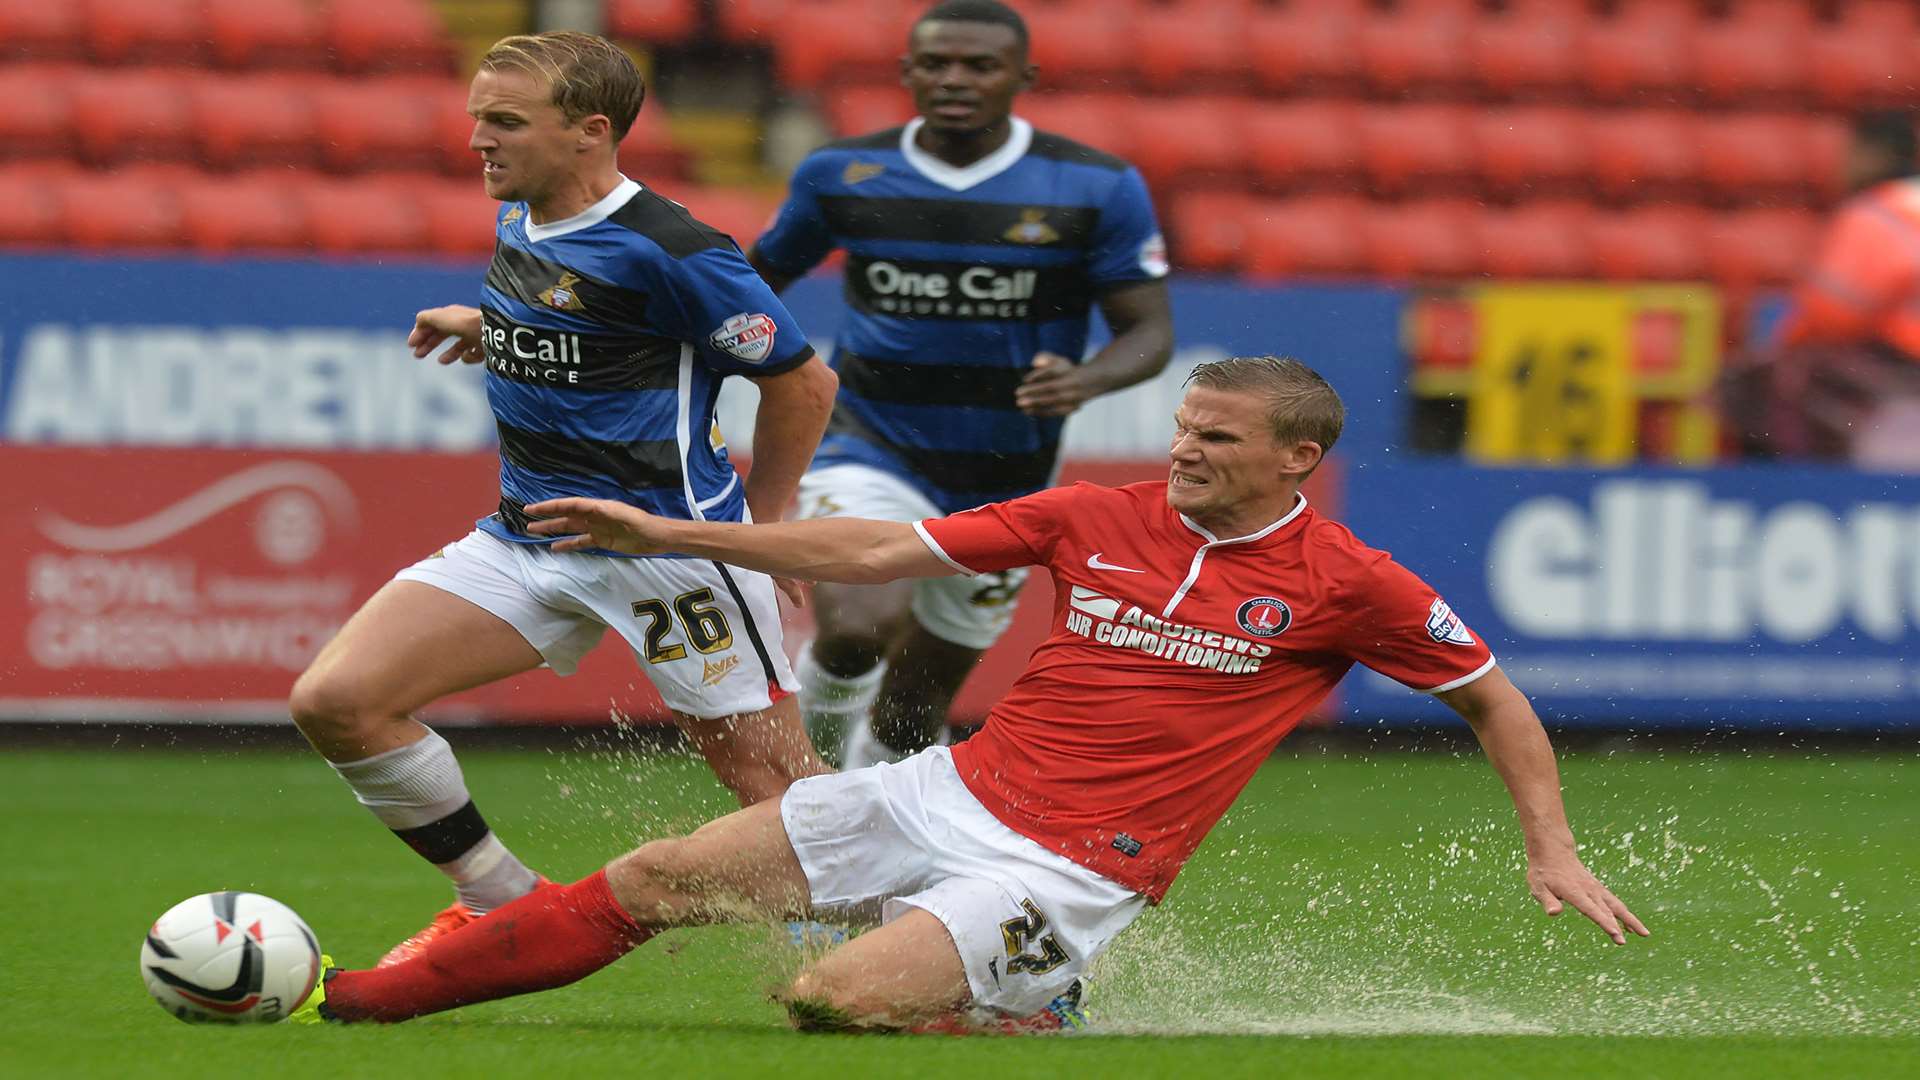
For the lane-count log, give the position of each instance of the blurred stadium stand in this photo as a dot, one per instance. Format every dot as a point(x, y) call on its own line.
point(1449, 139)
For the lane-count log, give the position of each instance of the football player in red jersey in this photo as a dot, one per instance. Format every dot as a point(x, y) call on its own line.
point(1196, 621)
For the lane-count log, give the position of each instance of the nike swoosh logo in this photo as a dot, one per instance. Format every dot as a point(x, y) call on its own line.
point(1094, 562)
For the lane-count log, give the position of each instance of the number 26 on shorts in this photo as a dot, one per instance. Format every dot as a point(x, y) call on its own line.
point(705, 626)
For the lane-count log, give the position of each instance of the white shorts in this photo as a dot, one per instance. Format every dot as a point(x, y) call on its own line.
point(877, 841)
point(707, 635)
point(969, 611)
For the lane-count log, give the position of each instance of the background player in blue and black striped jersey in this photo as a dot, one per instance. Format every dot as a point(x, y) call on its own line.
point(976, 249)
point(608, 320)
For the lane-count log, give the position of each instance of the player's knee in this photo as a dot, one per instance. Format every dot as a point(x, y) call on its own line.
point(850, 652)
point(330, 711)
point(817, 1000)
point(655, 880)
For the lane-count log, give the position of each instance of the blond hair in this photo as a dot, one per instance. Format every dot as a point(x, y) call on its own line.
point(1300, 404)
point(589, 75)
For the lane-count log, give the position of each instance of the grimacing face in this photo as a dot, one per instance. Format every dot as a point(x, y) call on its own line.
point(964, 75)
point(1226, 465)
point(525, 142)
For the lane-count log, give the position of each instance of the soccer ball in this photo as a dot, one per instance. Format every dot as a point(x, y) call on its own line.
point(230, 958)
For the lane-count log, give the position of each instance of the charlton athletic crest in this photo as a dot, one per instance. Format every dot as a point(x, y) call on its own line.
point(748, 337)
point(1265, 616)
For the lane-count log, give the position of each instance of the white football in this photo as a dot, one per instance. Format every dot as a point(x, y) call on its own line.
point(230, 958)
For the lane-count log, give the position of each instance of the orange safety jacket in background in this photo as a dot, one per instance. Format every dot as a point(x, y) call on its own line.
point(1865, 285)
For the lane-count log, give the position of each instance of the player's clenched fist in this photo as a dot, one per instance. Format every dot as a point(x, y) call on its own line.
point(598, 523)
point(456, 322)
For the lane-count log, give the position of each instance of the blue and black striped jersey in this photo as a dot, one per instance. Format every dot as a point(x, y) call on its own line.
point(956, 278)
point(607, 337)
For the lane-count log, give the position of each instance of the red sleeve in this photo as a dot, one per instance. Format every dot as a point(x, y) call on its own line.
point(1403, 630)
point(1864, 267)
point(1002, 535)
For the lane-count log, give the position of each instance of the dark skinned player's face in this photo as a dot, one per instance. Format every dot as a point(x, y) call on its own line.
point(964, 75)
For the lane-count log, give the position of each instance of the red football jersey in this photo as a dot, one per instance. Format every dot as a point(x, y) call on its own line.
point(1177, 661)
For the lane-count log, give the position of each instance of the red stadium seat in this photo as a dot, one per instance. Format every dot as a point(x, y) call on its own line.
point(151, 31)
point(740, 213)
point(1661, 243)
point(653, 20)
point(460, 219)
point(1188, 139)
point(1854, 67)
point(1405, 145)
point(265, 33)
point(1643, 153)
point(1794, 14)
point(1532, 150)
point(1747, 248)
point(1182, 48)
point(1526, 55)
point(1289, 143)
point(857, 110)
point(346, 217)
point(1829, 144)
point(252, 121)
point(752, 20)
point(38, 29)
point(1414, 51)
point(132, 115)
point(649, 150)
point(1884, 16)
point(369, 124)
point(122, 209)
point(33, 217)
point(1754, 155)
point(1098, 120)
point(1295, 49)
point(37, 120)
point(1307, 237)
point(233, 214)
point(1210, 229)
point(1083, 48)
point(1427, 239)
point(1633, 57)
point(837, 44)
point(1746, 61)
point(1537, 240)
point(387, 35)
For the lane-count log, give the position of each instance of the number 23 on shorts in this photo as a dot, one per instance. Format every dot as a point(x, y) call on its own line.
point(705, 626)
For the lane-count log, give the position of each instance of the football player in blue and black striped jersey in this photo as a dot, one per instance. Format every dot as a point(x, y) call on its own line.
point(977, 248)
point(607, 322)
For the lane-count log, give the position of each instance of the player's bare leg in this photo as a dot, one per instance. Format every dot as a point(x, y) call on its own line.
point(841, 672)
point(924, 673)
point(740, 867)
point(899, 976)
point(757, 754)
point(407, 646)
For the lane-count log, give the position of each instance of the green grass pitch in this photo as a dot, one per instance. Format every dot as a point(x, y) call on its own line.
point(1355, 916)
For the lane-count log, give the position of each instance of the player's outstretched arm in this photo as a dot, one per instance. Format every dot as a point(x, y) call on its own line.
point(456, 322)
point(1517, 746)
point(852, 551)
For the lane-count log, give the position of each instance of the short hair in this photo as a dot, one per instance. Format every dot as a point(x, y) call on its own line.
point(1891, 130)
point(588, 74)
point(992, 12)
point(1300, 404)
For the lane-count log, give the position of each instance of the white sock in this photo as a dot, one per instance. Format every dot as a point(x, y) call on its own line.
point(861, 749)
point(833, 707)
point(418, 791)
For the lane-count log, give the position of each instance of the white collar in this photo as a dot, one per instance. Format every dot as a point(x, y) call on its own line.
point(592, 215)
point(960, 179)
point(1299, 504)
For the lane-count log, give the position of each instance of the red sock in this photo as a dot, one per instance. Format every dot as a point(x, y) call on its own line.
point(550, 937)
